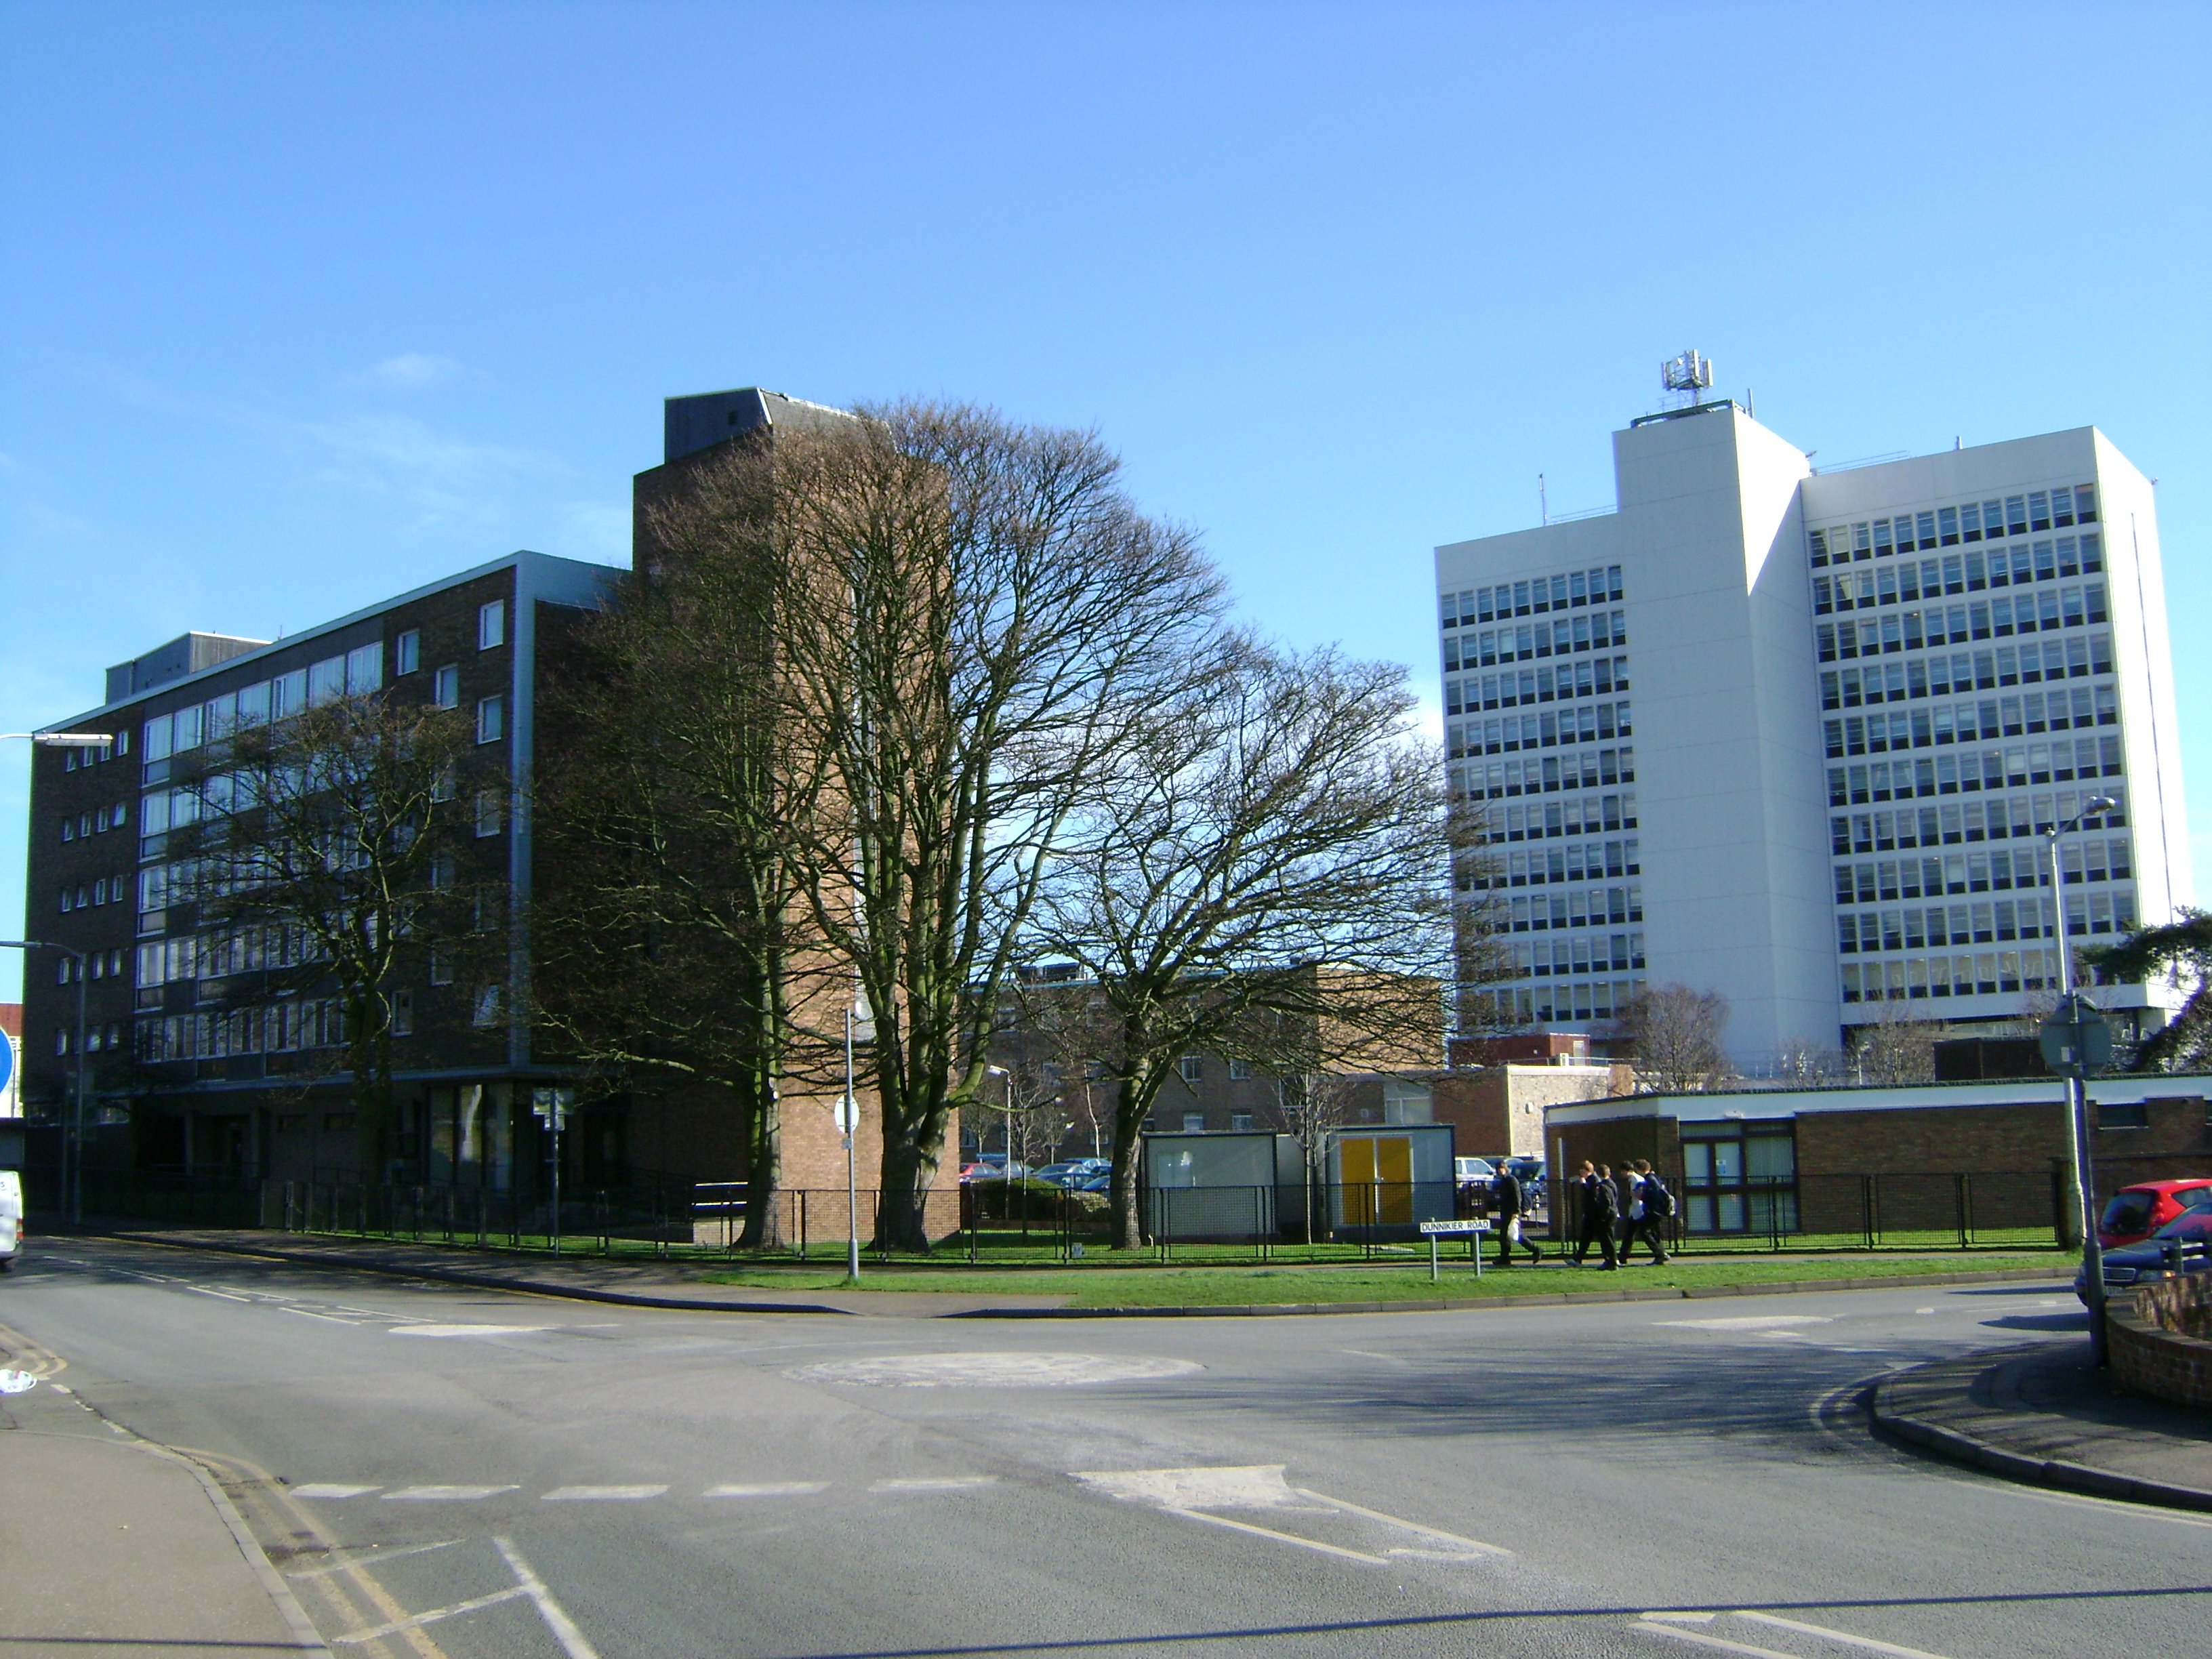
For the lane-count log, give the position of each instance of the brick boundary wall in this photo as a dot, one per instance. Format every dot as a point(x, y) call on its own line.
point(2158, 1340)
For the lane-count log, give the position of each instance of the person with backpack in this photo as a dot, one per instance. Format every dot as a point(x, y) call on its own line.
point(1507, 1203)
point(1655, 1209)
point(1601, 1203)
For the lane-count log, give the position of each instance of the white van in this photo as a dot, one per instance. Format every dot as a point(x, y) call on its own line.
point(11, 1218)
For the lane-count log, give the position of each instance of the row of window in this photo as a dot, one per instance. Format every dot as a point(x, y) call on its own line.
point(1589, 953)
point(1590, 768)
point(354, 674)
point(1965, 722)
point(1955, 821)
point(1925, 677)
point(1961, 624)
point(85, 895)
point(92, 755)
point(1599, 676)
point(1997, 871)
point(1958, 573)
point(279, 1028)
point(1575, 815)
point(1596, 722)
point(1584, 906)
point(1526, 1005)
point(96, 1038)
point(1943, 674)
point(1601, 631)
point(1984, 973)
point(2015, 767)
point(103, 964)
point(1591, 860)
point(1573, 591)
point(1997, 920)
point(2031, 512)
point(97, 822)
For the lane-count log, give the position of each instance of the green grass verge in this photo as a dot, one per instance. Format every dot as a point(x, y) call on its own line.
point(1089, 1286)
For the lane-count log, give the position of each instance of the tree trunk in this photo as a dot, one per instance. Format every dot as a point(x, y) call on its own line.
point(909, 1173)
point(764, 1229)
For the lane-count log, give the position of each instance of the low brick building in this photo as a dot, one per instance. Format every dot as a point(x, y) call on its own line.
point(1964, 1157)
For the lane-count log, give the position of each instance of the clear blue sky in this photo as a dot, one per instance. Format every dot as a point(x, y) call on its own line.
point(302, 304)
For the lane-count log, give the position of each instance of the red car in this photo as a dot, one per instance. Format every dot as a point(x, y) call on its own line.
point(2137, 1211)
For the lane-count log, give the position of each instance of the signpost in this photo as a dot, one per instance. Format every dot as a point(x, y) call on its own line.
point(2076, 1040)
point(550, 1108)
point(1432, 1230)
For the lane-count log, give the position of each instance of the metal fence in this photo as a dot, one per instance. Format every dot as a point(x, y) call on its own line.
point(1935, 1210)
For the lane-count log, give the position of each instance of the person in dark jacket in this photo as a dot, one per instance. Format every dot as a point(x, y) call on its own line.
point(1507, 1203)
point(1655, 1208)
point(1600, 1204)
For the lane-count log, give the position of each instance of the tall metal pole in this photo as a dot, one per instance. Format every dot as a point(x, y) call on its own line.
point(849, 1121)
point(2077, 1097)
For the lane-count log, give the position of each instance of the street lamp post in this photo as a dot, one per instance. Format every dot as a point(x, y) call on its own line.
point(2073, 1065)
point(73, 1140)
point(859, 1023)
point(73, 1137)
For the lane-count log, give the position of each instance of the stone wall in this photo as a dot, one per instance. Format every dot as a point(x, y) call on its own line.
point(2160, 1337)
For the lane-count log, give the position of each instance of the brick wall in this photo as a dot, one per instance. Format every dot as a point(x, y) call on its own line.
point(2157, 1338)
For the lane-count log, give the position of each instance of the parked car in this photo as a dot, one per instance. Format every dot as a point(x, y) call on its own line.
point(1064, 1174)
point(2136, 1213)
point(11, 1218)
point(2184, 1245)
point(991, 1168)
point(1473, 1175)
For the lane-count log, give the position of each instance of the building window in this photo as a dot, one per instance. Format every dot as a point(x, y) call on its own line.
point(403, 1013)
point(1240, 1119)
point(491, 625)
point(61, 1039)
point(1240, 1070)
point(486, 1007)
point(442, 966)
point(2114, 1116)
point(407, 652)
point(446, 687)
point(491, 719)
point(335, 1122)
point(1192, 1068)
point(491, 812)
point(1740, 1177)
point(1193, 1123)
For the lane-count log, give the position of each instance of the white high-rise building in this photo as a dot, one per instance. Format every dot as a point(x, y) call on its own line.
point(1796, 737)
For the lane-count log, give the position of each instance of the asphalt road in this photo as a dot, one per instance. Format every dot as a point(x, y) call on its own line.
point(477, 1474)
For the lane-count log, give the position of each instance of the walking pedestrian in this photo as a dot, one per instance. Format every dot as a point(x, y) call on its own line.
point(1631, 1209)
point(1656, 1207)
point(1601, 1206)
point(1507, 1202)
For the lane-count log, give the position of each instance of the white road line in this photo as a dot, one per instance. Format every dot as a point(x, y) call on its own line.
point(465, 1330)
point(1715, 1642)
point(374, 1556)
point(443, 1494)
point(1280, 1537)
point(606, 1494)
point(202, 1289)
point(1821, 1631)
point(1413, 1526)
point(328, 1319)
point(1748, 1321)
point(770, 1489)
point(556, 1617)
point(950, 1483)
point(330, 1489)
point(416, 1620)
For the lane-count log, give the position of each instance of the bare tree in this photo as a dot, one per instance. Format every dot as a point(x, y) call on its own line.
point(671, 926)
point(1894, 1048)
point(312, 855)
point(1808, 1064)
point(977, 625)
point(1267, 879)
point(1675, 1034)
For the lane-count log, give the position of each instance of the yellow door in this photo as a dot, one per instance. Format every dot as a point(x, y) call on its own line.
point(1393, 1177)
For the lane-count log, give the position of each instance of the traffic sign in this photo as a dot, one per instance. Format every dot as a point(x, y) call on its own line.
point(1455, 1227)
point(847, 1111)
point(2077, 1037)
point(7, 1061)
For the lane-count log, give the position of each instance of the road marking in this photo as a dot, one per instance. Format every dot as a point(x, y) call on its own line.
point(329, 1488)
point(556, 1617)
point(1821, 1631)
point(202, 1289)
point(770, 1489)
point(1923, 1310)
point(1474, 1545)
point(328, 1319)
point(466, 1330)
point(417, 1620)
point(599, 1494)
point(375, 1555)
point(948, 1483)
point(1715, 1643)
point(992, 1371)
point(443, 1494)
point(1280, 1537)
point(1748, 1322)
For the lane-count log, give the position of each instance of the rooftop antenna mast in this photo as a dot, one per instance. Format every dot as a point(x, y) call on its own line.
point(1685, 377)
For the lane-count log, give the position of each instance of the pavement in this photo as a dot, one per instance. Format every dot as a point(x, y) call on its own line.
point(434, 1468)
point(2045, 1413)
point(112, 1545)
